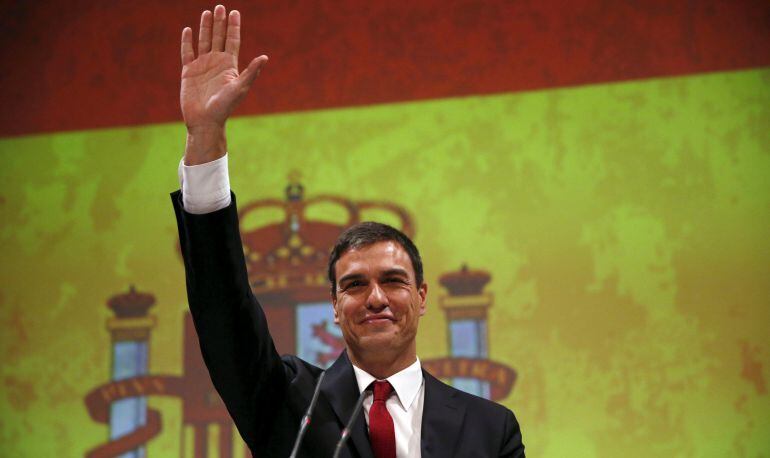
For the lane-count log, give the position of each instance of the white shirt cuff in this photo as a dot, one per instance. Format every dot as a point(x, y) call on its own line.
point(205, 187)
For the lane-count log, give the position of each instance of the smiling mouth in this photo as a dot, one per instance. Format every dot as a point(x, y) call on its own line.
point(377, 319)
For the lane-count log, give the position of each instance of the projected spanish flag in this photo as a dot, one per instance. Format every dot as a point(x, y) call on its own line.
point(587, 183)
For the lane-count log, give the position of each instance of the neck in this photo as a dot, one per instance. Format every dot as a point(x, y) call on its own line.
point(382, 366)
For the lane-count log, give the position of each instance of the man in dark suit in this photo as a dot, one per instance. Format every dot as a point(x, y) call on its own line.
point(377, 291)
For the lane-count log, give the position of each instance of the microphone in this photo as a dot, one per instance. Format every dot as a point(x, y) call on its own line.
point(349, 426)
point(306, 419)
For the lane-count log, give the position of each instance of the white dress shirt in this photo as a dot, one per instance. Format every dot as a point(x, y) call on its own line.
point(206, 189)
point(404, 406)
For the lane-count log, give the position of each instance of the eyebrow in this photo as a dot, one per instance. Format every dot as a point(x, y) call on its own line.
point(395, 271)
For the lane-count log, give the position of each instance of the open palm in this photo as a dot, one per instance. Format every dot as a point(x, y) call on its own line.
point(212, 87)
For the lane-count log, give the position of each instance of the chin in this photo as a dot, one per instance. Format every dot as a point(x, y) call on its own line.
point(375, 341)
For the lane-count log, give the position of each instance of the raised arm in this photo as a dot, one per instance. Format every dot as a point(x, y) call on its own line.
point(231, 326)
point(211, 86)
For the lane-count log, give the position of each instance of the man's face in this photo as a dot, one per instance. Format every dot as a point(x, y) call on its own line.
point(378, 304)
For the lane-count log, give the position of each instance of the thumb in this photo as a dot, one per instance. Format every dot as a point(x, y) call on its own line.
point(247, 77)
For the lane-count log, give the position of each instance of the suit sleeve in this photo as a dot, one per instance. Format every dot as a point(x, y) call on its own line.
point(232, 329)
point(512, 445)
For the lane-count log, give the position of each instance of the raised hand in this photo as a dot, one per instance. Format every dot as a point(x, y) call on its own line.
point(211, 85)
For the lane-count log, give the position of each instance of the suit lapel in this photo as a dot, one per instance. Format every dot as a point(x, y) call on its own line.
point(341, 390)
point(442, 419)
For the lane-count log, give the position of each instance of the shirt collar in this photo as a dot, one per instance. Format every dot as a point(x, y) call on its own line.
point(406, 383)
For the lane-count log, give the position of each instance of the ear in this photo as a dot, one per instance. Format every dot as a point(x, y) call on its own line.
point(334, 307)
point(422, 292)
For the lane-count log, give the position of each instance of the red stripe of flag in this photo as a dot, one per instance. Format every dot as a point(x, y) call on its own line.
point(99, 64)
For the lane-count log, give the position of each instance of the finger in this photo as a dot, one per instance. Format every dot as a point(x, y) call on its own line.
point(220, 27)
point(187, 47)
point(233, 42)
point(247, 77)
point(204, 34)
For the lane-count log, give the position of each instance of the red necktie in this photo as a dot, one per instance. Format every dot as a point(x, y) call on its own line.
point(381, 431)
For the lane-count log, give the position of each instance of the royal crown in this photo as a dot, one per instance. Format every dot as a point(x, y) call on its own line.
point(294, 250)
point(131, 304)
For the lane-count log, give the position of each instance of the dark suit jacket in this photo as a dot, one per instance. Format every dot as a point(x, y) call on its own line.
point(267, 395)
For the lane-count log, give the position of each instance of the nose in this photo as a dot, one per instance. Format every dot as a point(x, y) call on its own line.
point(377, 299)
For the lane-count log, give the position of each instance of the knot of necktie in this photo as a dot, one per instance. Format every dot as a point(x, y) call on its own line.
point(382, 390)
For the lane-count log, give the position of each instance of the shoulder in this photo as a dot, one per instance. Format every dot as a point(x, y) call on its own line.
point(298, 370)
point(483, 417)
point(471, 402)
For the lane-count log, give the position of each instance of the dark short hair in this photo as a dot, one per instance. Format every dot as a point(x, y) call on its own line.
point(368, 233)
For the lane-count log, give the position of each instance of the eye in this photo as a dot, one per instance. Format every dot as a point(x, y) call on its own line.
point(352, 284)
